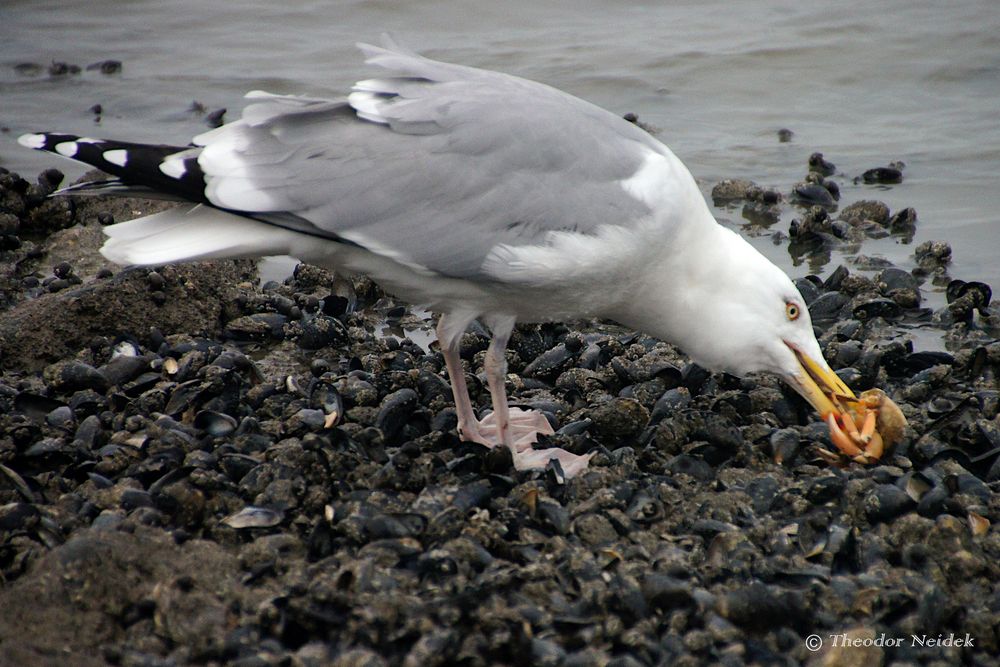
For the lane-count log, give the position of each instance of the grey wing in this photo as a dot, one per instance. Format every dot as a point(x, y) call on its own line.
point(434, 166)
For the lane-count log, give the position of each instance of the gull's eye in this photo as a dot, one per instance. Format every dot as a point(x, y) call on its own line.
point(792, 311)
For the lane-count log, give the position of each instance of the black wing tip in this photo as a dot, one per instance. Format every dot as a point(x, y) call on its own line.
point(134, 164)
point(46, 141)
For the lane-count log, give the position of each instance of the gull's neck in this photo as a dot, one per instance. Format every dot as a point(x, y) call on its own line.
point(702, 265)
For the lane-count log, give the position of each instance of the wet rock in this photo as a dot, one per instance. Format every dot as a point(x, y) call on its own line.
point(619, 419)
point(258, 327)
point(120, 572)
point(665, 592)
point(736, 189)
point(594, 529)
point(866, 209)
point(317, 332)
point(855, 647)
point(732, 189)
point(761, 607)
point(932, 254)
point(73, 317)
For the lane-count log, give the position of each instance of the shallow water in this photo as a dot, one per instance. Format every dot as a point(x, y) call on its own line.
point(864, 83)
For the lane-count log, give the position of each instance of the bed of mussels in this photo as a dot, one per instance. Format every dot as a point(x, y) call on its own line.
point(199, 469)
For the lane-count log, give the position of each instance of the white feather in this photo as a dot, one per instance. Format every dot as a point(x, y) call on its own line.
point(368, 105)
point(193, 232)
point(243, 194)
point(373, 86)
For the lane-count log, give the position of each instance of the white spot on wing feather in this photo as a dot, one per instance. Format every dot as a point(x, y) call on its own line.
point(67, 148)
point(119, 156)
point(173, 167)
point(36, 141)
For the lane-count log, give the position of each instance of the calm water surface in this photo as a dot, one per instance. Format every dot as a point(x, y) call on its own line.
point(864, 83)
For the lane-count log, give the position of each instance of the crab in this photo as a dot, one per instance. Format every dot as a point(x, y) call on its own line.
point(864, 427)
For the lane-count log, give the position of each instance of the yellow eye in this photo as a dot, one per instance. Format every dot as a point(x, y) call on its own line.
point(792, 311)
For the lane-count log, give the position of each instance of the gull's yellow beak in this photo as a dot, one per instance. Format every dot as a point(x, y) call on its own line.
point(819, 385)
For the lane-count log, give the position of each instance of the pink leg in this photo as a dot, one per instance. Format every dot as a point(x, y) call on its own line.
point(513, 428)
point(468, 425)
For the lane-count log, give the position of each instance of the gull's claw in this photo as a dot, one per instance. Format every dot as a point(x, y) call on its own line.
point(525, 427)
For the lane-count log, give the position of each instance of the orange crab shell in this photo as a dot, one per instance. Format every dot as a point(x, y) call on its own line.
point(875, 424)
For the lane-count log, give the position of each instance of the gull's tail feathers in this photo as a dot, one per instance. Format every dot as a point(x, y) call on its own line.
point(189, 233)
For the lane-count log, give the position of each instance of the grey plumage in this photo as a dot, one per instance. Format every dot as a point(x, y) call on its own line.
point(444, 152)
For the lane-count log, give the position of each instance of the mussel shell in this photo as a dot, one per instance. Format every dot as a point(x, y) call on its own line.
point(893, 278)
point(550, 363)
point(35, 406)
point(981, 293)
point(883, 175)
point(395, 411)
point(818, 164)
point(813, 193)
point(395, 525)
point(876, 307)
point(123, 368)
point(254, 517)
point(827, 306)
point(644, 508)
point(335, 305)
point(214, 423)
point(324, 396)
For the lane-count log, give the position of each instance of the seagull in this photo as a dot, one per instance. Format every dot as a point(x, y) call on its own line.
point(478, 195)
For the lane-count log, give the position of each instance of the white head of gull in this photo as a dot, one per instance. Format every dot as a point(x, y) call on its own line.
point(479, 195)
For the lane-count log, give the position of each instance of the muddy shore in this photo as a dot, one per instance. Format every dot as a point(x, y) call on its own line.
point(173, 490)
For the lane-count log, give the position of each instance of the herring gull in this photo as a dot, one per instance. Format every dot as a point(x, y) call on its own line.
point(479, 195)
